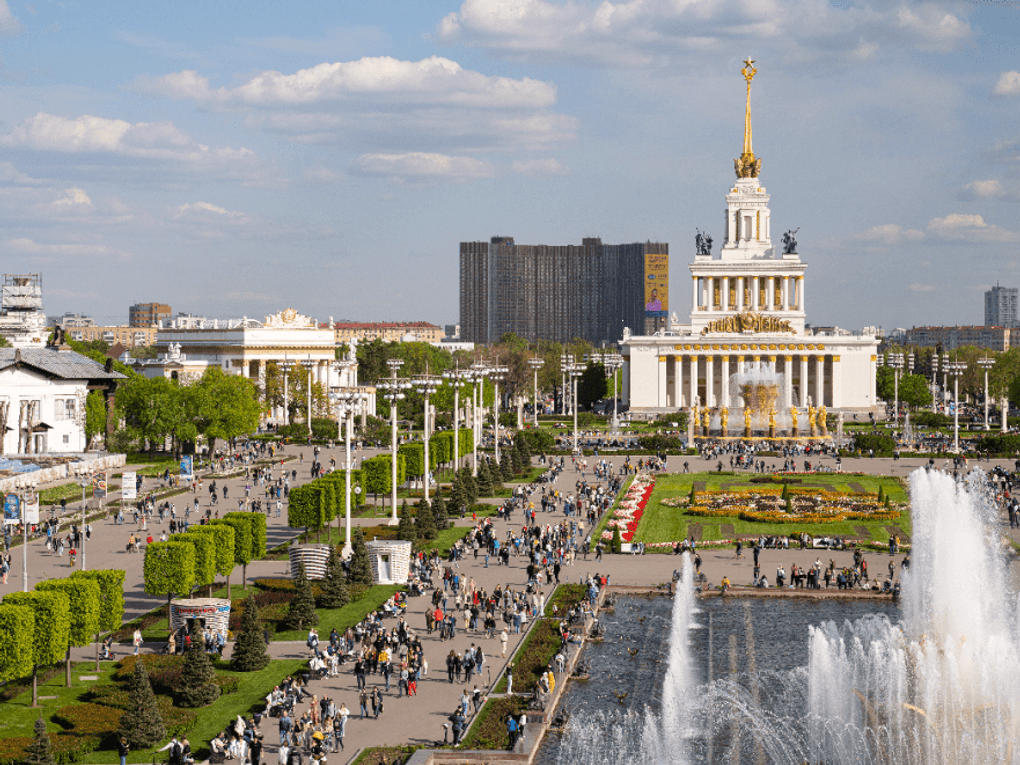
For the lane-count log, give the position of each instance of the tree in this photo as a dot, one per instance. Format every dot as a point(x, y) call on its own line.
point(142, 724)
point(223, 547)
point(301, 613)
point(244, 538)
point(205, 557)
point(198, 686)
point(405, 530)
point(361, 567)
point(169, 570)
point(111, 599)
point(17, 628)
point(51, 630)
point(39, 752)
point(439, 512)
point(591, 385)
point(227, 406)
point(884, 383)
point(83, 599)
point(95, 416)
point(334, 587)
point(424, 522)
point(414, 459)
point(484, 479)
point(914, 391)
point(155, 409)
point(250, 654)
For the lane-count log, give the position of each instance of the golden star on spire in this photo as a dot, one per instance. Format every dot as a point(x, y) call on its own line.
point(747, 166)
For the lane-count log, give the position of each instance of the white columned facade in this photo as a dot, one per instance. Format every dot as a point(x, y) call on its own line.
point(819, 380)
point(787, 377)
point(837, 383)
point(693, 373)
point(724, 382)
point(804, 390)
point(710, 380)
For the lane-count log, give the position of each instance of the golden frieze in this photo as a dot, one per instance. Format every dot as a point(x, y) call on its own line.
point(748, 321)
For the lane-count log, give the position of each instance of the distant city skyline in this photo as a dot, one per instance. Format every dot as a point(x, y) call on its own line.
point(331, 157)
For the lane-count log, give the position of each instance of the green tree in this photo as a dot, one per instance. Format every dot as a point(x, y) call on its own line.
point(205, 557)
point(405, 530)
point(301, 613)
point(884, 383)
point(95, 416)
point(83, 599)
point(198, 686)
point(361, 567)
point(914, 391)
point(51, 629)
point(591, 385)
point(439, 512)
point(223, 546)
point(169, 570)
point(334, 587)
point(424, 521)
point(142, 724)
point(250, 654)
point(39, 752)
point(484, 479)
point(244, 538)
point(227, 406)
point(17, 628)
point(111, 599)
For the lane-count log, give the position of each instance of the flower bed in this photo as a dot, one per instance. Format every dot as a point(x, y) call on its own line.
point(628, 512)
point(767, 505)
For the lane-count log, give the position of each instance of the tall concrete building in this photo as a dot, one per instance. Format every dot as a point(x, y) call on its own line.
point(562, 292)
point(1001, 307)
point(148, 314)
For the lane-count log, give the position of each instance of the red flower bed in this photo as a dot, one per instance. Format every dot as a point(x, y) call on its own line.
point(628, 535)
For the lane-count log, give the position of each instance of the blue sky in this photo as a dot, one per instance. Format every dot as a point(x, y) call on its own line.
point(236, 158)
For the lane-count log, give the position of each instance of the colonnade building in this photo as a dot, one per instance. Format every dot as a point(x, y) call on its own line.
point(747, 317)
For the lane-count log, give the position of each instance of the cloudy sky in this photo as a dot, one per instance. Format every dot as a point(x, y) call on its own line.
point(235, 158)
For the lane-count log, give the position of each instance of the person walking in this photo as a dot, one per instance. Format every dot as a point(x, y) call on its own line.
point(137, 640)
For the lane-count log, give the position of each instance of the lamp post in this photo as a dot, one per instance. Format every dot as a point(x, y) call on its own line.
point(286, 365)
point(479, 371)
point(934, 380)
point(945, 378)
point(536, 363)
point(427, 385)
point(895, 360)
point(986, 364)
point(615, 362)
point(309, 398)
point(347, 400)
point(956, 368)
point(496, 374)
point(573, 372)
point(394, 392)
point(566, 361)
point(456, 379)
point(83, 481)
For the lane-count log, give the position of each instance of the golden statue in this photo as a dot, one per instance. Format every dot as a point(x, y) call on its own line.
point(706, 417)
point(821, 419)
point(724, 417)
point(772, 418)
point(747, 166)
point(811, 417)
point(697, 414)
point(793, 416)
point(747, 417)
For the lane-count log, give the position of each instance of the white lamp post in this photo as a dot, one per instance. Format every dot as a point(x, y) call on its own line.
point(479, 371)
point(566, 361)
point(286, 365)
point(496, 374)
point(536, 364)
point(956, 368)
point(986, 364)
point(895, 360)
point(426, 386)
point(615, 363)
point(573, 372)
point(83, 481)
point(348, 401)
point(394, 392)
point(456, 379)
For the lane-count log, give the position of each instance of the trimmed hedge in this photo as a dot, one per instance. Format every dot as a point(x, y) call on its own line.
point(534, 656)
point(488, 731)
point(17, 626)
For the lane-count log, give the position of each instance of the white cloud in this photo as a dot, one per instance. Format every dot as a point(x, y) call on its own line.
point(968, 229)
point(422, 166)
point(539, 167)
point(1008, 85)
point(9, 174)
point(25, 245)
point(206, 210)
point(654, 32)
point(72, 197)
point(90, 134)
point(983, 190)
point(8, 24)
point(890, 233)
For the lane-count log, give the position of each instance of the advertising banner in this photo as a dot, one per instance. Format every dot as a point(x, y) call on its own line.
point(99, 485)
point(12, 510)
point(656, 285)
point(187, 468)
point(129, 486)
point(30, 503)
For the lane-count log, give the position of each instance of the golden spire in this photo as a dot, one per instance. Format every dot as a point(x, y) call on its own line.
point(747, 166)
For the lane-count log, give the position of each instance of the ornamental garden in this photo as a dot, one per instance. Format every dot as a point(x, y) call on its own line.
point(717, 509)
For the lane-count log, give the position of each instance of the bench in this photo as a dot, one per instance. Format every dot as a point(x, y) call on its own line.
point(629, 548)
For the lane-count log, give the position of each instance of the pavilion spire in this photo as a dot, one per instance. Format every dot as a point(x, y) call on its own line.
point(747, 166)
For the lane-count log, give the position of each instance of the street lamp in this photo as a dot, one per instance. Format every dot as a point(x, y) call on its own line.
point(895, 360)
point(83, 481)
point(614, 363)
point(946, 361)
point(286, 365)
point(456, 378)
point(479, 372)
point(986, 364)
point(394, 392)
point(496, 374)
point(934, 380)
point(536, 363)
point(956, 368)
point(348, 401)
point(566, 361)
point(427, 385)
point(573, 372)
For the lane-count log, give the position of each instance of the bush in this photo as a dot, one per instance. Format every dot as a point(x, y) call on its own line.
point(564, 598)
point(882, 445)
point(660, 444)
point(1004, 444)
point(489, 729)
point(931, 419)
point(164, 671)
point(539, 440)
point(534, 656)
point(98, 720)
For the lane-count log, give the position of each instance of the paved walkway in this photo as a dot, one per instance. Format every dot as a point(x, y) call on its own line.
point(419, 719)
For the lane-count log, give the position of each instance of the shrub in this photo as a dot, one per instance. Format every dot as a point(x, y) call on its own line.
point(198, 686)
point(142, 723)
point(882, 444)
point(489, 729)
point(534, 656)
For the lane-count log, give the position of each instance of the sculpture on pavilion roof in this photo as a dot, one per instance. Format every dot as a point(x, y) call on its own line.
point(289, 319)
point(747, 166)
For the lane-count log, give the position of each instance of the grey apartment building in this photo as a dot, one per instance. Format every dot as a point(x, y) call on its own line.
point(560, 293)
point(1001, 307)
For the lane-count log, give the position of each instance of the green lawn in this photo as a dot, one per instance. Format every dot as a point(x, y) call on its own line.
point(345, 617)
point(660, 523)
point(17, 716)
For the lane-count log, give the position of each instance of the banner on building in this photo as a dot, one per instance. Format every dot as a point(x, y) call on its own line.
point(656, 285)
point(129, 486)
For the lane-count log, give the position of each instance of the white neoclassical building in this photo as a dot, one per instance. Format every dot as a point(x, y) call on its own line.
point(247, 346)
point(747, 318)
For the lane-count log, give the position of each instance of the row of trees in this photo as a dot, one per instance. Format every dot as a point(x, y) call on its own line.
point(1003, 377)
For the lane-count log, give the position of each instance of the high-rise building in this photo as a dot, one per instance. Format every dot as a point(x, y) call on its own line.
point(148, 314)
point(1001, 307)
point(562, 292)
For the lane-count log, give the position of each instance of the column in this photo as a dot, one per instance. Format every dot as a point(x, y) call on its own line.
point(724, 382)
point(754, 293)
point(784, 295)
point(694, 293)
point(804, 392)
point(660, 387)
point(819, 380)
point(788, 379)
point(741, 281)
point(800, 293)
point(693, 381)
point(710, 380)
point(770, 293)
point(837, 384)
point(740, 364)
point(725, 293)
